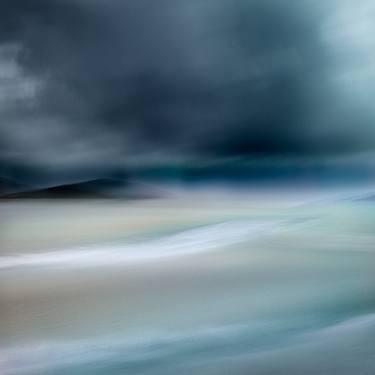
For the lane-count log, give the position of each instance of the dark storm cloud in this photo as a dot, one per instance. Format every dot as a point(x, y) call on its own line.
point(214, 79)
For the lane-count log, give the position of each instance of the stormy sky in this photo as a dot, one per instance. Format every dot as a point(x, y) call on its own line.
point(117, 83)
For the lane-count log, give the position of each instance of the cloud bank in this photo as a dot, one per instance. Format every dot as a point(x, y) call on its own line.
point(116, 82)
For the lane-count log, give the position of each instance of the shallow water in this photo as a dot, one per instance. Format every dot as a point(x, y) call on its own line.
point(167, 288)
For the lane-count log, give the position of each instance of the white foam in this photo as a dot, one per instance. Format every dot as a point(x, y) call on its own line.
point(193, 241)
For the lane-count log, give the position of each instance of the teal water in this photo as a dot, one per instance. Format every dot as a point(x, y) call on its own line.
point(266, 291)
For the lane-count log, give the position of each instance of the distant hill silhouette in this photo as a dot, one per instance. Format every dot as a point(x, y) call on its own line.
point(8, 186)
point(92, 189)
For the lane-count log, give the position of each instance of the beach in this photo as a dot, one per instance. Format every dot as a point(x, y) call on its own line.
point(170, 286)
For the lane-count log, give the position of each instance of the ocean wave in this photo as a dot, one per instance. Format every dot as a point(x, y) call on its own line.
point(160, 350)
point(198, 240)
point(131, 351)
point(346, 327)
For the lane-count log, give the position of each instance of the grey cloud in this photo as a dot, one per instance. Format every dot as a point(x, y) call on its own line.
point(213, 79)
